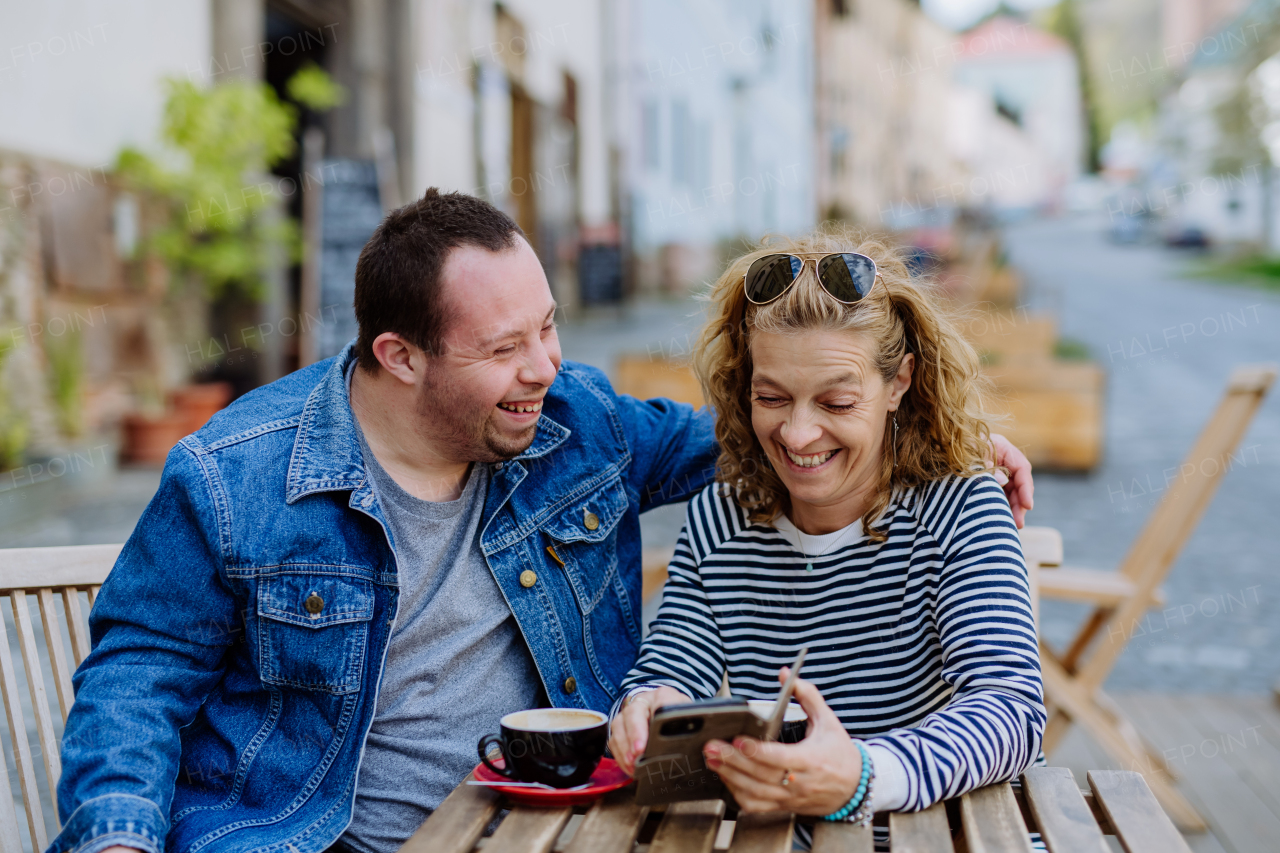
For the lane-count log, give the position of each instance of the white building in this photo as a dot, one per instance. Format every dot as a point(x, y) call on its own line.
point(884, 84)
point(719, 117)
point(1018, 122)
point(1220, 181)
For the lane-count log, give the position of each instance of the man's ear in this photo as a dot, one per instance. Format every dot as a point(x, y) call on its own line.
point(902, 381)
point(400, 358)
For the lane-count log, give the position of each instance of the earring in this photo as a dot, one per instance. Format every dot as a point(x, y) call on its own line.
point(895, 439)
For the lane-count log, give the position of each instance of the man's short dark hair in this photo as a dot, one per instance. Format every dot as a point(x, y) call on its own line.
point(398, 274)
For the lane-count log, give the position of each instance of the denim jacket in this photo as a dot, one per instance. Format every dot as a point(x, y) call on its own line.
point(238, 642)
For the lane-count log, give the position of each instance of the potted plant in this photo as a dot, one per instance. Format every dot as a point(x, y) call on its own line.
point(207, 195)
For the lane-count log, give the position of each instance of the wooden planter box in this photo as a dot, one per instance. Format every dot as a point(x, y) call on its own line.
point(1003, 336)
point(1055, 411)
point(645, 378)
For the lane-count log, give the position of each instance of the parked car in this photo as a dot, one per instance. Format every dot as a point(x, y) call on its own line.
point(1186, 236)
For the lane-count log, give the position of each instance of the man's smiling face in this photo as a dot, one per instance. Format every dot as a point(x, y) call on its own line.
point(483, 392)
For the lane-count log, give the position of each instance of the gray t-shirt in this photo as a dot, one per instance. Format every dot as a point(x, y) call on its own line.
point(456, 663)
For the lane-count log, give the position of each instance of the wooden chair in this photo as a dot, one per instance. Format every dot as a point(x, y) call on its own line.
point(1073, 679)
point(49, 574)
point(1042, 549)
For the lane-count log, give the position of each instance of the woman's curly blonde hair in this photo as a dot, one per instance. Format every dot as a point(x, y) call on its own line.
point(943, 428)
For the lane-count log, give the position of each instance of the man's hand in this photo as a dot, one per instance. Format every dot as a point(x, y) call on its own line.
point(629, 731)
point(1018, 486)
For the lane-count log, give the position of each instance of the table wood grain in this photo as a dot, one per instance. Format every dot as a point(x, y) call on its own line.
point(763, 832)
point(688, 827)
point(611, 826)
point(992, 821)
point(1065, 821)
point(920, 832)
point(459, 821)
point(831, 837)
point(1140, 823)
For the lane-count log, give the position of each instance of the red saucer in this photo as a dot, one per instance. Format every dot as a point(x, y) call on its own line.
point(607, 777)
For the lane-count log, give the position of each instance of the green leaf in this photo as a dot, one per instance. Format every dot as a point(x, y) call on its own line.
point(314, 89)
point(219, 143)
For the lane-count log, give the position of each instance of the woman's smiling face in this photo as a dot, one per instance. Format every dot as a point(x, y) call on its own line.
point(819, 408)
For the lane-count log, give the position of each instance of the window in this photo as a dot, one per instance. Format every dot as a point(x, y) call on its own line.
point(651, 139)
point(681, 144)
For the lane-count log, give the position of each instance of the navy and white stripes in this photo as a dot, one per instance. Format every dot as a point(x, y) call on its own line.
point(923, 644)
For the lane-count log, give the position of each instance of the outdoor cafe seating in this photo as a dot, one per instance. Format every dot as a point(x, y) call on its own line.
point(1138, 808)
point(1047, 800)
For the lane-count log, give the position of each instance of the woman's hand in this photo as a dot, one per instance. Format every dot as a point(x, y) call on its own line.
point(821, 772)
point(629, 731)
point(1018, 486)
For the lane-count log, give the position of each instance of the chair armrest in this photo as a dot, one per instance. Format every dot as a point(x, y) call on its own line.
point(1092, 586)
point(1041, 546)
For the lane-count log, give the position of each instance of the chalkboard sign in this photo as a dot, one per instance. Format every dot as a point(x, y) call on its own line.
point(600, 274)
point(350, 210)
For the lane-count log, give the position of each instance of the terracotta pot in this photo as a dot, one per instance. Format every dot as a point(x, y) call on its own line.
point(148, 440)
point(195, 404)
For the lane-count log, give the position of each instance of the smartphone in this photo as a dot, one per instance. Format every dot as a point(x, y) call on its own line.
point(672, 768)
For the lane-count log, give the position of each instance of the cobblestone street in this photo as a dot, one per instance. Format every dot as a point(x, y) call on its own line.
point(1168, 343)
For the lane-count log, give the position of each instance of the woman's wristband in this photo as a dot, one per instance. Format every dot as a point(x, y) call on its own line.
point(858, 809)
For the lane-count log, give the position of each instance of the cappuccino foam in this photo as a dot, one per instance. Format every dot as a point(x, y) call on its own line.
point(553, 720)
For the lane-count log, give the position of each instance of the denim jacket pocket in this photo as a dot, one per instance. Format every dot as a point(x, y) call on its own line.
point(313, 631)
point(592, 517)
point(583, 535)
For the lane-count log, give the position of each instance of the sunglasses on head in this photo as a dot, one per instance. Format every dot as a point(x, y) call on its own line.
point(846, 276)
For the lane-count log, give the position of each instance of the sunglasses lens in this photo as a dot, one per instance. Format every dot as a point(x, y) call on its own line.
point(847, 277)
point(769, 277)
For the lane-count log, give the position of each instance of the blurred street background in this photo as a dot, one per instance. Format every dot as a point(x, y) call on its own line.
point(185, 187)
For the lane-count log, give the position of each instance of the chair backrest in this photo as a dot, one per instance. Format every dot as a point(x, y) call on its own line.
point(1188, 494)
point(1175, 518)
point(1041, 548)
point(52, 575)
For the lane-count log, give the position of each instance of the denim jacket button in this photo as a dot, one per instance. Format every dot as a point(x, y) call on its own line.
point(528, 578)
point(570, 684)
point(314, 604)
point(590, 519)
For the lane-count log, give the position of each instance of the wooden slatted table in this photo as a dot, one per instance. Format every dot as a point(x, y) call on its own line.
point(996, 819)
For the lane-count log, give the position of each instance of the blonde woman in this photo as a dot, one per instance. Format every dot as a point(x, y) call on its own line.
point(855, 514)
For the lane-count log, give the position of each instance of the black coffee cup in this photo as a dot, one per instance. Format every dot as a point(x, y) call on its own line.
point(795, 721)
point(560, 747)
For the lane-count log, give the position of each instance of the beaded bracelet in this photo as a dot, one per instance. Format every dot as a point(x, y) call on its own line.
point(858, 809)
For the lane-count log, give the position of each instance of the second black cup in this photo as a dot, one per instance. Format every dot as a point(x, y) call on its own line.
point(560, 747)
point(794, 723)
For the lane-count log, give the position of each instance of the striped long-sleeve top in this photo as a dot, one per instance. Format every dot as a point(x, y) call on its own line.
point(923, 644)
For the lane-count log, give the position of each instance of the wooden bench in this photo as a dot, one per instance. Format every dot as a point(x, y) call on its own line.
point(52, 576)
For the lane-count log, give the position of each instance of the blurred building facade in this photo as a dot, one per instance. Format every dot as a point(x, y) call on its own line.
point(1185, 23)
point(1219, 129)
point(884, 89)
point(1017, 122)
point(718, 106)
